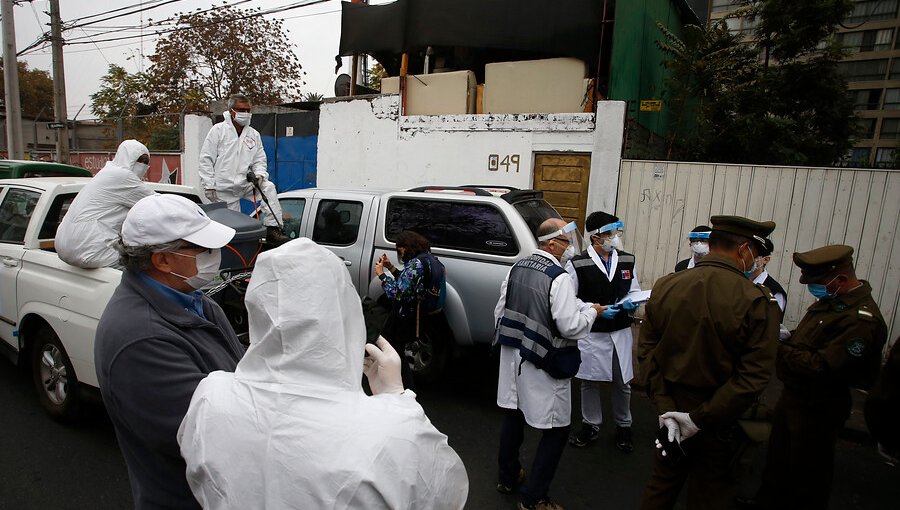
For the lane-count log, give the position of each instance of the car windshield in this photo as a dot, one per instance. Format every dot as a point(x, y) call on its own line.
point(535, 212)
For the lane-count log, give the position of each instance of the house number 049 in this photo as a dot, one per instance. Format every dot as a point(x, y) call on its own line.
point(494, 162)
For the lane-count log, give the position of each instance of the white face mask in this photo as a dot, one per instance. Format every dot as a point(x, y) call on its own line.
point(242, 118)
point(700, 248)
point(140, 169)
point(617, 243)
point(608, 244)
point(208, 263)
point(567, 255)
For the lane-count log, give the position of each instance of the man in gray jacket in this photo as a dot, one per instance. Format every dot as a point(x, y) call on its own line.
point(159, 337)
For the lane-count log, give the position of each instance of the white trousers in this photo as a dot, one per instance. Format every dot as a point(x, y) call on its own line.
point(233, 201)
point(591, 409)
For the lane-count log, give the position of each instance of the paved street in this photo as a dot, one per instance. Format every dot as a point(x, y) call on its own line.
point(45, 465)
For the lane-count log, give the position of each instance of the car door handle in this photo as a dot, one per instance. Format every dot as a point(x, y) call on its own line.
point(345, 261)
point(10, 262)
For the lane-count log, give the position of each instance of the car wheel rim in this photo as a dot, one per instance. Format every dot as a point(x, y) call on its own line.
point(419, 354)
point(54, 376)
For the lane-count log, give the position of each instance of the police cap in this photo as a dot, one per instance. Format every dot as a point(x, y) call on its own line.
point(819, 262)
point(744, 227)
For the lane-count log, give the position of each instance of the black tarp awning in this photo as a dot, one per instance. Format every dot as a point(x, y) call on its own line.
point(560, 28)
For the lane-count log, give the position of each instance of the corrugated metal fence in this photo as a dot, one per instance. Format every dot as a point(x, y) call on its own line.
point(661, 201)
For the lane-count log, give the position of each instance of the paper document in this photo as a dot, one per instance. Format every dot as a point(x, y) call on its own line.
point(637, 298)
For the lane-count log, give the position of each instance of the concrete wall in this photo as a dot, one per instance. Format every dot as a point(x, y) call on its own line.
point(196, 128)
point(366, 143)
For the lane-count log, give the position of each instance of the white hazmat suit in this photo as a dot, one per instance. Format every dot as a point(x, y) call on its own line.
point(91, 227)
point(225, 159)
point(292, 427)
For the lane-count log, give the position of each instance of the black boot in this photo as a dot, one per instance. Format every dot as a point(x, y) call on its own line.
point(275, 236)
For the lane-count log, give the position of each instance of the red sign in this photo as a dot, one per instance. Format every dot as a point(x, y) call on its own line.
point(163, 167)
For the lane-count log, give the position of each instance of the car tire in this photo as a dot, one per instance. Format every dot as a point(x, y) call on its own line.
point(428, 355)
point(53, 376)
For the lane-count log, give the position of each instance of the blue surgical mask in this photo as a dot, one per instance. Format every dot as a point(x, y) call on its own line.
point(749, 274)
point(820, 291)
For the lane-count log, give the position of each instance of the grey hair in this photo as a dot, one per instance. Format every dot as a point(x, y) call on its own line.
point(233, 99)
point(137, 258)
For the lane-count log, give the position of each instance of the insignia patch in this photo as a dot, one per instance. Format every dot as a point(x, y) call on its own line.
point(626, 274)
point(856, 347)
point(250, 143)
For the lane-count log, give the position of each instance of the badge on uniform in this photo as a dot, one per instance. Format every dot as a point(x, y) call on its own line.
point(249, 142)
point(626, 274)
point(856, 347)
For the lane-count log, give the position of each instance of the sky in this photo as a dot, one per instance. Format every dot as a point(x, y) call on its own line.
point(314, 30)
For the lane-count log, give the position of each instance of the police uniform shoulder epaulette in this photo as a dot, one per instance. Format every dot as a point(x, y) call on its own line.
point(866, 315)
point(766, 292)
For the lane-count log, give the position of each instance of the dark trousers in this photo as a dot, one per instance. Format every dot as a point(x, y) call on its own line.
point(546, 458)
point(800, 456)
point(400, 330)
point(707, 471)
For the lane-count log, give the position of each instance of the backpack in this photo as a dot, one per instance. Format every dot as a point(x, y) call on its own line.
point(435, 282)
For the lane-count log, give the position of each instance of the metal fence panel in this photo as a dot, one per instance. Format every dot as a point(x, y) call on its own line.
point(660, 201)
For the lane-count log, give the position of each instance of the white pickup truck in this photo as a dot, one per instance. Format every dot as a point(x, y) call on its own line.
point(49, 309)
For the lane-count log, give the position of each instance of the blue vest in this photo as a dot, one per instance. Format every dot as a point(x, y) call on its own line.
point(527, 323)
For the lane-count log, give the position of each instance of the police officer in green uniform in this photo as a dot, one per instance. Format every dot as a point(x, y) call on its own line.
point(706, 352)
point(836, 346)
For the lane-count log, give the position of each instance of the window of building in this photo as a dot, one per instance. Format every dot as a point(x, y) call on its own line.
point(866, 99)
point(872, 10)
point(725, 5)
point(742, 25)
point(867, 128)
point(892, 99)
point(864, 70)
point(867, 40)
point(890, 129)
point(337, 222)
point(884, 156)
point(467, 226)
point(860, 155)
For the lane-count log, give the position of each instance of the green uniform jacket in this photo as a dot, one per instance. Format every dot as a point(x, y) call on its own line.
point(837, 345)
point(712, 332)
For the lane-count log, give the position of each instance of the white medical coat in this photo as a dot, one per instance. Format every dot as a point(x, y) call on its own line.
point(226, 157)
point(292, 428)
point(92, 225)
point(545, 401)
point(597, 348)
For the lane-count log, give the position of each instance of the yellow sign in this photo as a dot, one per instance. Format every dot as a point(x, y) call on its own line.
point(651, 105)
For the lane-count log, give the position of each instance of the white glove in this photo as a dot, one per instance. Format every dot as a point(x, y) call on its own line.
point(783, 332)
point(382, 368)
point(686, 426)
point(674, 430)
point(211, 195)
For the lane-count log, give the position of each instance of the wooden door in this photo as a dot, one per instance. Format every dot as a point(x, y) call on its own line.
point(564, 180)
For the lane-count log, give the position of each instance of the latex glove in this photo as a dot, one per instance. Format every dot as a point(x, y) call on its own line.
point(211, 195)
point(382, 368)
point(783, 332)
point(674, 429)
point(610, 312)
point(685, 424)
point(628, 305)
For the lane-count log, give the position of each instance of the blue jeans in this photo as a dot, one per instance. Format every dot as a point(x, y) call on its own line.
point(546, 458)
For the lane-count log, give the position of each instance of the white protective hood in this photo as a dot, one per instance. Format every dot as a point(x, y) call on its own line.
point(93, 222)
point(292, 427)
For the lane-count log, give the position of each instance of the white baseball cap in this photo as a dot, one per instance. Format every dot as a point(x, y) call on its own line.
point(160, 219)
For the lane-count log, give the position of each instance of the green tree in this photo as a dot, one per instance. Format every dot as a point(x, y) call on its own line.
point(35, 91)
point(214, 54)
point(376, 73)
point(788, 106)
point(121, 94)
point(313, 97)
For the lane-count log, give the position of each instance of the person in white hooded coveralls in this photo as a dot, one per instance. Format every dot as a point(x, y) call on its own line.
point(89, 230)
point(292, 427)
point(231, 149)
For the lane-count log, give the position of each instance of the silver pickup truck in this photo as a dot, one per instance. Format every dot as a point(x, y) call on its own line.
point(478, 232)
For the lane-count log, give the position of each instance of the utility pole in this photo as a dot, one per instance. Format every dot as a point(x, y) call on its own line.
point(14, 144)
point(59, 84)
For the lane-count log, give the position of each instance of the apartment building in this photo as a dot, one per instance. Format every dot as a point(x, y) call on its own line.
point(870, 33)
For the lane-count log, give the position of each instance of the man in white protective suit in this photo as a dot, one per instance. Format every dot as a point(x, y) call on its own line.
point(91, 227)
point(292, 427)
point(231, 150)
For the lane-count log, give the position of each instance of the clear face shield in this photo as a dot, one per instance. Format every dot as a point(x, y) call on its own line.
point(608, 236)
point(570, 234)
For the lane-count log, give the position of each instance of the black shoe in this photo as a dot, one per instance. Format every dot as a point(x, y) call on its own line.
point(623, 439)
point(507, 489)
point(274, 235)
point(587, 435)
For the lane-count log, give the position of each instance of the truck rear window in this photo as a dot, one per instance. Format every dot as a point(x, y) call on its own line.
point(535, 212)
point(467, 226)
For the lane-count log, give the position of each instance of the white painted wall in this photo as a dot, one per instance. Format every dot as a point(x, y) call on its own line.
point(196, 128)
point(366, 143)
